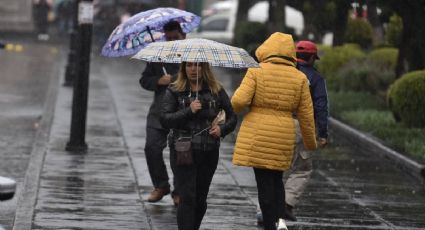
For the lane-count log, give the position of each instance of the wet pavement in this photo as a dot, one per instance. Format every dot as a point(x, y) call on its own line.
point(107, 187)
point(23, 85)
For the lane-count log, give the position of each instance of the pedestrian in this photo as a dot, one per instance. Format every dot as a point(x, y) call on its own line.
point(190, 106)
point(156, 77)
point(302, 164)
point(266, 137)
point(65, 13)
point(41, 9)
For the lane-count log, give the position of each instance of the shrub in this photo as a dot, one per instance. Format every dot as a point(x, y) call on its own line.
point(365, 75)
point(346, 101)
point(249, 33)
point(335, 58)
point(359, 31)
point(384, 57)
point(382, 125)
point(394, 30)
point(406, 99)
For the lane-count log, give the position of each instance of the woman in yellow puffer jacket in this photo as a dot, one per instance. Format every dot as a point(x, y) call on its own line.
point(273, 93)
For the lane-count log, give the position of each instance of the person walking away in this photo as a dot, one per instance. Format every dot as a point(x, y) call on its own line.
point(156, 77)
point(267, 135)
point(65, 13)
point(190, 106)
point(302, 164)
point(41, 10)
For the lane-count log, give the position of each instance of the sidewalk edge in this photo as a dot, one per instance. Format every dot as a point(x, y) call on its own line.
point(367, 143)
point(27, 199)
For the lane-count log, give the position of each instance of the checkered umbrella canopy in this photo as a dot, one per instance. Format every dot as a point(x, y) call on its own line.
point(197, 50)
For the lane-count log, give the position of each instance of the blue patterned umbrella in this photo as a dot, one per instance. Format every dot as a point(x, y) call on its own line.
point(145, 27)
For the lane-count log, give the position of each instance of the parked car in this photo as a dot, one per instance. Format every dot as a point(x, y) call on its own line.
point(7, 188)
point(219, 24)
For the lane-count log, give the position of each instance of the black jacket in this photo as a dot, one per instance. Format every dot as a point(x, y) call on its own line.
point(178, 116)
point(149, 81)
point(319, 97)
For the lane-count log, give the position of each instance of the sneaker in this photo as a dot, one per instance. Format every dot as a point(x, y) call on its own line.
point(288, 215)
point(157, 194)
point(281, 225)
point(259, 216)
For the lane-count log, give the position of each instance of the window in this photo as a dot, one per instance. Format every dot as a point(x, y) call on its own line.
point(216, 25)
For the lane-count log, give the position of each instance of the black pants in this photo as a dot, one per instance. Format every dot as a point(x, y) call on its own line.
point(156, 141)
point(193, 184)
point(271, 196)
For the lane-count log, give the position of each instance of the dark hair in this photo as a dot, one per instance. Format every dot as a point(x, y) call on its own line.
point(305, 56)
point(173, 26)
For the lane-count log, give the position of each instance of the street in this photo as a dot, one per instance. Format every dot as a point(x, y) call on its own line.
point(25, 77)
point(107, 188)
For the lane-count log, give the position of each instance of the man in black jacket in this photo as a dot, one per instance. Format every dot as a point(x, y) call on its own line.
point(156, 77)
point(302, 164)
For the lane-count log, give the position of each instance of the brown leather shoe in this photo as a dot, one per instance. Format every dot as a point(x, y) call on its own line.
point(176, 199)
point(157, 194)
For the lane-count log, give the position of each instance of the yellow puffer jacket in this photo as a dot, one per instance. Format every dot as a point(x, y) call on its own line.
point(273, 93)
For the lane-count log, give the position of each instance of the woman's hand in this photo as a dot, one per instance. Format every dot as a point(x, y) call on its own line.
point(195, 106)
point(165, 80)
point(215, 131)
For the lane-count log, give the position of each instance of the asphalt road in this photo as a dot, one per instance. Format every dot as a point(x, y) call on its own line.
point(24, 79)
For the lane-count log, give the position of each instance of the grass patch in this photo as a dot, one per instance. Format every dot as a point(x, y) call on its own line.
point(367, 113)
point(346, 101)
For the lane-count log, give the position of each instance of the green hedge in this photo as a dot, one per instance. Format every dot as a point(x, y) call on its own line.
point(394, 31)
point(359, 31)
point(368, 113)
point(384, 57)
point(406, 98)
point(365, 75)
point(335, 58)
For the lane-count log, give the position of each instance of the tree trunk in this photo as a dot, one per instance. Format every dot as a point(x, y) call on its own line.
point(277, 21)
point(372, 15)
point(342, 8)
point(242, 13)
point(412, 47)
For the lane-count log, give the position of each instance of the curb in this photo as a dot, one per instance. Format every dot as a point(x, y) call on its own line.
point(27, 199)
point(369, 144)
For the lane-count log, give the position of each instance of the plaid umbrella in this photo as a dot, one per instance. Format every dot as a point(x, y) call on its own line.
point(145, 27)
point(197, 50)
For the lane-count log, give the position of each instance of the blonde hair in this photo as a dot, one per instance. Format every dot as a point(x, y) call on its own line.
point(207, 76)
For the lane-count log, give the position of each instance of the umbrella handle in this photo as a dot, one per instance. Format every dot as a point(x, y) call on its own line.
point(164, 70)
point(150, 33)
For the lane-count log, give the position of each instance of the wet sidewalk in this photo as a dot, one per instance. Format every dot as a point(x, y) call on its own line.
point(106, 188)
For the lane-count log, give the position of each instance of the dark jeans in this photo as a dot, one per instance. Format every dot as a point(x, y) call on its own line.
point(271, 196)
point(193, 184)
point(156, 141)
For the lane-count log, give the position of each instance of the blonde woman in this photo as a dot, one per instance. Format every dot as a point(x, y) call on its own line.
point(190, 105)
point(273, 93)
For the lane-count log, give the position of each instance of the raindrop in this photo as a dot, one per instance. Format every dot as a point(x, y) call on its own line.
point(414, 192)
point(357, 192)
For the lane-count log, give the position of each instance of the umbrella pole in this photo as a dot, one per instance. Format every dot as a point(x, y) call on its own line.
point(153, 40)
point(150, 33)
point(197, 88)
